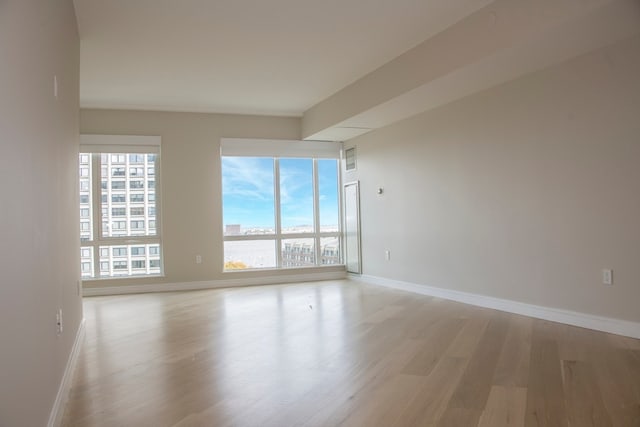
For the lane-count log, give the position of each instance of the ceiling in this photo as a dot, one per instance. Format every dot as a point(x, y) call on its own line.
point(271, 57)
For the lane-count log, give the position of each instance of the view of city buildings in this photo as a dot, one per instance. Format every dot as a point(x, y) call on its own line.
point(127, 212)
point(294, 201)
point(119, 222)
point(294, 252)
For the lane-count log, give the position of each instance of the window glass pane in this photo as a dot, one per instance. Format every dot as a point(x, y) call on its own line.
point(330, 250)
point(114, 183)
point(328, 195)
point(296, 195)
point(298, 253)
point(247, 195)
point(86, 224)
point(129, 260)
point(86, 262)
point(249, 254)
point(125, 198)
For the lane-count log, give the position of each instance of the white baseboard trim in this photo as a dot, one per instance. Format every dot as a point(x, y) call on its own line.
point(583, 320)
point(55, 417)
point(214, 284)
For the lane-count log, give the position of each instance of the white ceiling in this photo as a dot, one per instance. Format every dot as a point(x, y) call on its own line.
point(277, 57)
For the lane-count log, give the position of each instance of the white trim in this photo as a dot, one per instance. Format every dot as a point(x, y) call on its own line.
point(583, 320)
point(213, 284)
point(55, 417)
point(279, 148)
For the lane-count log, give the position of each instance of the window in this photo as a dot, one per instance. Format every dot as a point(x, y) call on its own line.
point(119, 251)
point(119, 225)
point(116, 166)
point(136, 171)
point(137, 264)
point(136, 158)
point(137, 250)
point(350, 158)
point(280, 204)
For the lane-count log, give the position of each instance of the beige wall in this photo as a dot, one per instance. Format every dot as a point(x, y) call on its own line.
point(524, 192)
point(191, 184)
point(39, 211)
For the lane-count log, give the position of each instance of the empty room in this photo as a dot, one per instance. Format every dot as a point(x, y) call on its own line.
point(301, 213)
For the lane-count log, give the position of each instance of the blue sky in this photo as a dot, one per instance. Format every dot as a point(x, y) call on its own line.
point(248, 191)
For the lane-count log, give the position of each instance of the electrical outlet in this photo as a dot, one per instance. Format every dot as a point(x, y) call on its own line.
point(387, 255)
point(198, 259)
point(607, 276)
point(59, 326)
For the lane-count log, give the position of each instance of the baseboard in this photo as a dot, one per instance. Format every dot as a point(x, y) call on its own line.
point(55, 417)
point(583, 320)
point(214, 284)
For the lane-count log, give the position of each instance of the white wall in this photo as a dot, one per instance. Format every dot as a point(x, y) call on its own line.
point(191, 186)
point(524, 192)
point(39, 211)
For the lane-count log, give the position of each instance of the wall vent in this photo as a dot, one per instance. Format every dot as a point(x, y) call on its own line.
point(350, 158)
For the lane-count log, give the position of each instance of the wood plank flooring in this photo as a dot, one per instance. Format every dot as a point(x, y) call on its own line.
point(341, 353)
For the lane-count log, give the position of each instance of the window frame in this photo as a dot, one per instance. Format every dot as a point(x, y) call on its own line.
point(277, 150)
point(95, 146)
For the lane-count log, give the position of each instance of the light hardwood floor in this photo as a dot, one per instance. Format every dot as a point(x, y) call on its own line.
point(342, 353)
